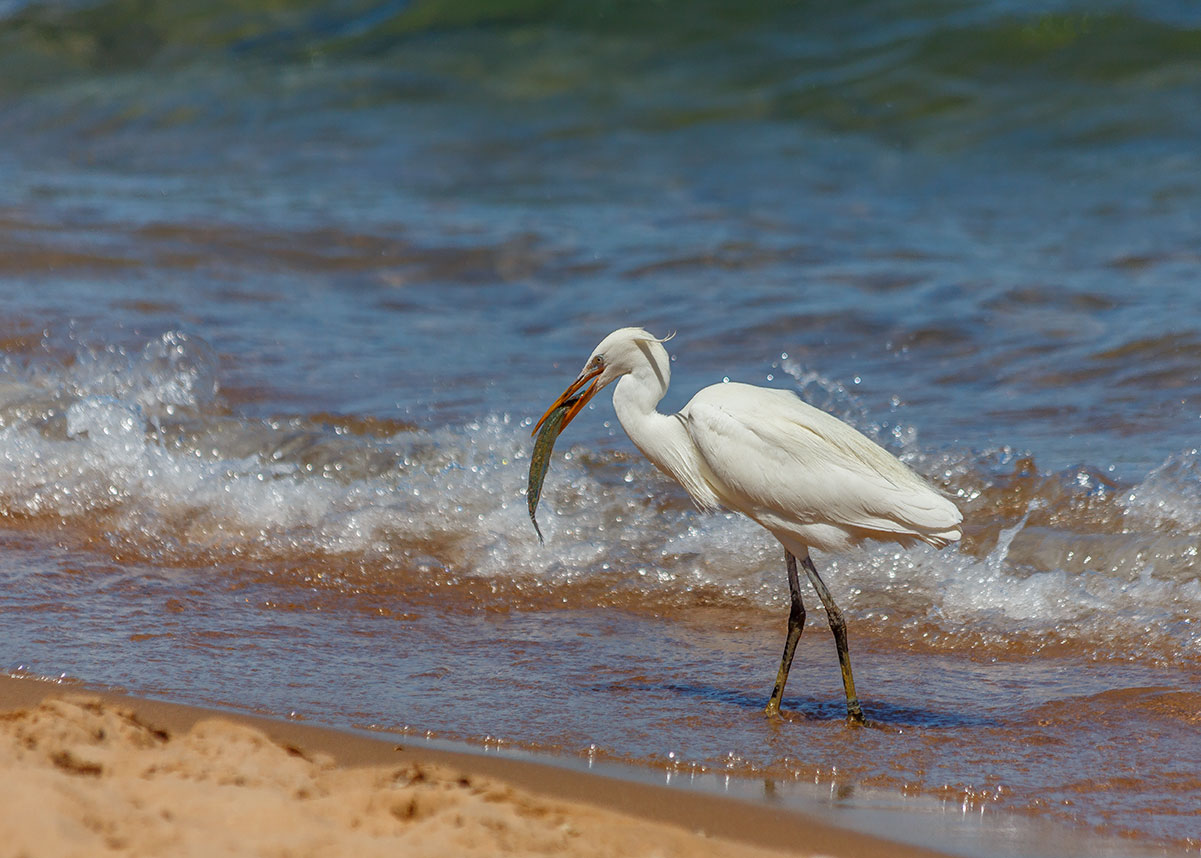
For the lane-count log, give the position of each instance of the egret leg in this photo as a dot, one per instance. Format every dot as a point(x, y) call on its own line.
point(839, 627)
point(796, 623)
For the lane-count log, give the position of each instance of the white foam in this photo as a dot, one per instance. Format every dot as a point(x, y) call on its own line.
point(994, 599)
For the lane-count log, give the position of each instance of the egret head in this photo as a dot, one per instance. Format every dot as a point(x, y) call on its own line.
point(623, 351)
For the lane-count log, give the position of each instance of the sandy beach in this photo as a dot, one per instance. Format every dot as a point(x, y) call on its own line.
point(90, 773)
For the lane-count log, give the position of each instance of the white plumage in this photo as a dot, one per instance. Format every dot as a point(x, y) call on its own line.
point(807, 477)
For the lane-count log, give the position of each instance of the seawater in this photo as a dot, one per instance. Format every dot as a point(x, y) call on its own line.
point(285, 287)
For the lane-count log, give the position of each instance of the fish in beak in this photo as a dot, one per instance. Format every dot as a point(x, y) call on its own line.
point(553, 422)
point(577, 395)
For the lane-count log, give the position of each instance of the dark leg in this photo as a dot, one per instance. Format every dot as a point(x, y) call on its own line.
point(839, 627)
point(796, 623)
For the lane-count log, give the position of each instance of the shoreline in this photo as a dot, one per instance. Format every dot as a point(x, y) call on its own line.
point(619, 811)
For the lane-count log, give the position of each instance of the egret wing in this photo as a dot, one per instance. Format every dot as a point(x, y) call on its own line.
point(782, 461)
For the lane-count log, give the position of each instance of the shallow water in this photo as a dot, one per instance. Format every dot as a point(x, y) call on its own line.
point(285, 289)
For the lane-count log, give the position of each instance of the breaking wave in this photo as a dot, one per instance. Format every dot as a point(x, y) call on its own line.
point(135, 452)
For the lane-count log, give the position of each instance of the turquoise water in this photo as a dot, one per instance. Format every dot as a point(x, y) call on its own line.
point(285, 285)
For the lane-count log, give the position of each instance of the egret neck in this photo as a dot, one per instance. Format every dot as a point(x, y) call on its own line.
point(662, 438)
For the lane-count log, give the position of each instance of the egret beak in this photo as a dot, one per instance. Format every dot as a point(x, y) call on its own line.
point(573, 396)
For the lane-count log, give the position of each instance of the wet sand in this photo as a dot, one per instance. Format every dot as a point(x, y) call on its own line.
point(90, 772)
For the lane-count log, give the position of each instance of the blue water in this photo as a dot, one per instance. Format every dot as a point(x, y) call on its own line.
point(284, 286)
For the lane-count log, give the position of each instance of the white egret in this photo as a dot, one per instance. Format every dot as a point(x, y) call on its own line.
point(811, 480)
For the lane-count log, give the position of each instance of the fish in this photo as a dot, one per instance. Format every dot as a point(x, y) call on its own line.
point(540, 459)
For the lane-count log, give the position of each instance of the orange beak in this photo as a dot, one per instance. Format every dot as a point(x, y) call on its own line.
point(581, 399)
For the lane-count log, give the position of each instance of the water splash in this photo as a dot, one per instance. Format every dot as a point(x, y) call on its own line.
point(1170, 496)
